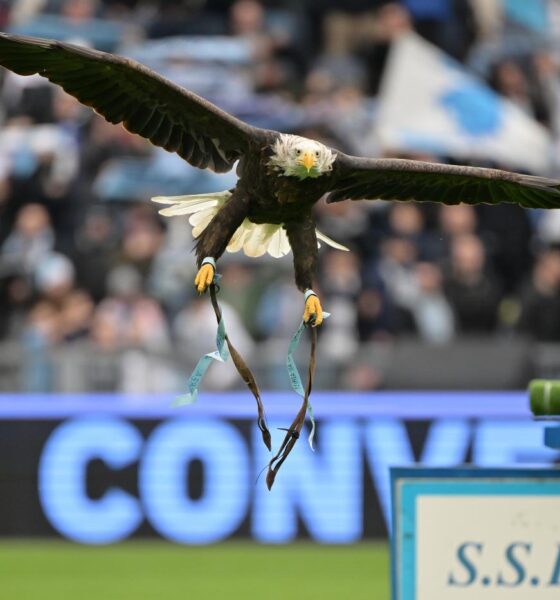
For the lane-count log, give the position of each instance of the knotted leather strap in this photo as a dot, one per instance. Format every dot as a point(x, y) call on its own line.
point(294, 430)
point(244, 371)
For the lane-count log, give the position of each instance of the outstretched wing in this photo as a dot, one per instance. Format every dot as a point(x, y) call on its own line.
point(388, 179)
point(124, 91)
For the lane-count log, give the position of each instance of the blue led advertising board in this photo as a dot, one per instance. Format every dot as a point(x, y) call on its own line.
point(102, 468)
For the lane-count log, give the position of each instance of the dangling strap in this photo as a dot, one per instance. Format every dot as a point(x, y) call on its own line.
point(221, 355)
point(293, 432)
point(295, 378)
point(244, 371)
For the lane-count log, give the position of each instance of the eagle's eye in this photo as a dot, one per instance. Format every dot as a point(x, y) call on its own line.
point(298, 151)
point(317, 153)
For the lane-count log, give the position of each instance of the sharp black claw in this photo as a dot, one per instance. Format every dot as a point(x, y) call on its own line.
point(267, 439)
point(270, 476)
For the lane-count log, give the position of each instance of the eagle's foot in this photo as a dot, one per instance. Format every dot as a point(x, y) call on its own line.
point(204, 277)
point(313, 313)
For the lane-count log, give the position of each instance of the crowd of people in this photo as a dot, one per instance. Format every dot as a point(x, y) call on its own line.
point(86, 259)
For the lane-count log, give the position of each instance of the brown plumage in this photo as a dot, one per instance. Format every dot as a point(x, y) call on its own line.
point(280, 177)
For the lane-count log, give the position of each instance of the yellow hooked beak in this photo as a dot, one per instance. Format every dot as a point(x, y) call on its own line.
point(308, 160)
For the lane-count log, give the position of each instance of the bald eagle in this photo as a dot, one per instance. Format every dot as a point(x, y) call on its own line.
point(281, 176)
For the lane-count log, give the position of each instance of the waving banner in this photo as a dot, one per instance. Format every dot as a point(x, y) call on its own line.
point(430, 103)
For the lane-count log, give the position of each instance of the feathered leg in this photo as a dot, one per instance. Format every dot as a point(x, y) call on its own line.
point(213, 241)
point(303, 240)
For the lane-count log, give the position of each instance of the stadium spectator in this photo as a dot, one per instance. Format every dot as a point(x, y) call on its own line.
point(507, 235)
point(540, 299)
point(95, 251)
point(396, 266)
point(31, 239)
point(54, 277)
point(16, 298)
point(424, 308)
point(39, 336)
point(75, 316)
point(375, 316)
point(472, 291)
point(127, 318)
point(447, 23)
point(512, 83)
point(457, 220)
point(340, 286)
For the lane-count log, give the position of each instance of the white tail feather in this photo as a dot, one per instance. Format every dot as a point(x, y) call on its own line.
point(182, 209)
point(254, 239)
point(279, 244)
point(258, 242)
point(201, 220)
point(194, 199)
point(329, 242)
point(237, 239)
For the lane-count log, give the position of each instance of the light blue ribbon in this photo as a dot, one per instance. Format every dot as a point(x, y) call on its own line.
point(221, 355)
point(295, 378)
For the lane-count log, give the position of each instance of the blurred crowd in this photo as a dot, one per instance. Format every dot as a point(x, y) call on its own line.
point(86, 259)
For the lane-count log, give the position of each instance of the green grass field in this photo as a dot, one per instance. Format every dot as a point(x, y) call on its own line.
point(141, 570)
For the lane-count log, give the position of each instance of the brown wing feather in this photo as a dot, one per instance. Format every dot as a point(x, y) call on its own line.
point(124, 91)
point(392, 179)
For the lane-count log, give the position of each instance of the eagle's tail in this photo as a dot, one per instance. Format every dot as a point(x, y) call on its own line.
point(255, 239)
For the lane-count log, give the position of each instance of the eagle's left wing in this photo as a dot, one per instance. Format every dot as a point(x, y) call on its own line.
point(358, 178)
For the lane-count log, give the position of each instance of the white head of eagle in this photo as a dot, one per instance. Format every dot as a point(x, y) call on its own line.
point(295, 156)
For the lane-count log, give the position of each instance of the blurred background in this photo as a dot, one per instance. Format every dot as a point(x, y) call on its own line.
point(97, 295)
point(94, 285)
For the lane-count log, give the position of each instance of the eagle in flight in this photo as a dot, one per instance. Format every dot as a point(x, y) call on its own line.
point(281, 176)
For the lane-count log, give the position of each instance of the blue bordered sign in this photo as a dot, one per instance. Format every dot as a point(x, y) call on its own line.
point(489, 534)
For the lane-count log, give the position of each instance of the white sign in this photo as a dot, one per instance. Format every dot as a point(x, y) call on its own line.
point(476, 534)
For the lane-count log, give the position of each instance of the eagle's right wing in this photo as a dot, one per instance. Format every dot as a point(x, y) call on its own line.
point(124, 91)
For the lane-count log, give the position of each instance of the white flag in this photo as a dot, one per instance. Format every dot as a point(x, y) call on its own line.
point(430, 103)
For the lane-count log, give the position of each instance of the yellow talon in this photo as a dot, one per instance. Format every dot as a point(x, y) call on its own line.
point(204, 278)
point(313, 312)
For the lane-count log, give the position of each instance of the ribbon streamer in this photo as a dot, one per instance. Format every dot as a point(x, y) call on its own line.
point(295, 377)
point(220, 355)
point(292, 433)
